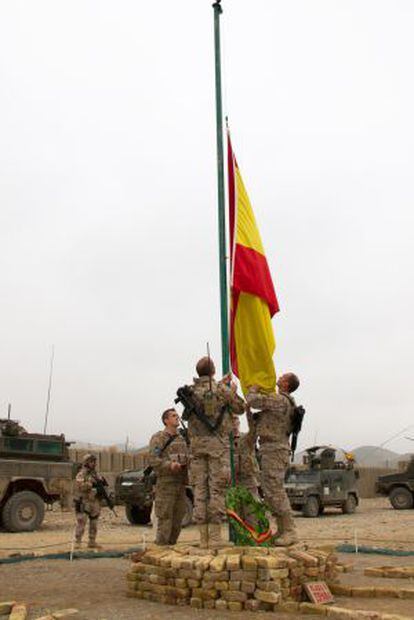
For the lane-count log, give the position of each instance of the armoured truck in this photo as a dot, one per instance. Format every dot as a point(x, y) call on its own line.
point(135, 489)
point(35, 471)
point(399, 487)
point(322, 481)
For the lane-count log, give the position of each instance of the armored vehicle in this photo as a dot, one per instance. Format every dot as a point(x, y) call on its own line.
point(34, 470)
point(135, 489)
point(322, 481)
point(399, 487)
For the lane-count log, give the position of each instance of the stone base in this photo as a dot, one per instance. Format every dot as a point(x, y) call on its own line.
point(231, 578)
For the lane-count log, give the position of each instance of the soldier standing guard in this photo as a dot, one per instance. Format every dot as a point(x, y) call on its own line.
point(273, 427)
point(168, 456)
point(87, 503)
point(210, 458)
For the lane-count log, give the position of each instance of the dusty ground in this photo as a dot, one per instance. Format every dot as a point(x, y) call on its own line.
point(96, 587)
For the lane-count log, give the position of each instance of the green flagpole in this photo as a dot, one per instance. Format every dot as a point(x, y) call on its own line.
point(224, 317)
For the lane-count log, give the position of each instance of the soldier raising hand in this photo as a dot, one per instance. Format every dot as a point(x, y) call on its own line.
point(273, 427)
point(209, 425)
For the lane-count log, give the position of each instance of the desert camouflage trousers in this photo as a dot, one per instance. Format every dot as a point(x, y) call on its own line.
point(210, 474)
point(247, 513)
point(170, 507)
point(90, 509)
point(274, 462)
point(81, 519)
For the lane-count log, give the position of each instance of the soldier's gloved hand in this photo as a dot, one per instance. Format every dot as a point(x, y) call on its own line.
point(227, 378)
point(175, 467)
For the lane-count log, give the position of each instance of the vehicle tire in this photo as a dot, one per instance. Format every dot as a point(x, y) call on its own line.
point(137, 515)
point(188, 516)
point(401, 498)
point(311, 508)
point(349, 505)
point(23, 512)
point(296, 507)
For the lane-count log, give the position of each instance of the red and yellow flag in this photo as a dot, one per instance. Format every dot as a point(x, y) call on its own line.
point(253, 297)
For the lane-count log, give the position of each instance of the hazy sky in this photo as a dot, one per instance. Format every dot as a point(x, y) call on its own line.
point(108, 216)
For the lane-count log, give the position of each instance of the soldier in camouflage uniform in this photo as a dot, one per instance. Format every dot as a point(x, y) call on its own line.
point(210, 460)
point(273, 427)
point(168, 456)
point(87, 504)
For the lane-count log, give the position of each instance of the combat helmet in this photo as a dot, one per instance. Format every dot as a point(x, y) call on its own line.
point(88, 458)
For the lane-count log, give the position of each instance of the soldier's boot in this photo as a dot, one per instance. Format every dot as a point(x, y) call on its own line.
point(78, 544)
point(203, 530)
point(92, 544)
point(214, 534)
point(288, 536)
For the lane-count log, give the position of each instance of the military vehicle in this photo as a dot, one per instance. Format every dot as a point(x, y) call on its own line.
point(135, 489)
point(323, 481)
point(35, 470)
point(399, 487)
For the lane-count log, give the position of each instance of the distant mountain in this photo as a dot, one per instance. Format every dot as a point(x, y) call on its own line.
point(369, 456)
point(117, 446)
point(374, 456)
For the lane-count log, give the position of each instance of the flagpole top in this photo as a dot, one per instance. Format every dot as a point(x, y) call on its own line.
point(217, 6)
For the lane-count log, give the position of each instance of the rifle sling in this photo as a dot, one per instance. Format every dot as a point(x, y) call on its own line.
point(207, 422)
point(169, 441)
point(149, 469)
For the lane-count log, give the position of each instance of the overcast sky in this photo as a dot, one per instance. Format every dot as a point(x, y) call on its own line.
point(108, 215)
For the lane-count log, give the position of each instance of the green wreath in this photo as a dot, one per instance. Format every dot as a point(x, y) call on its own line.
point(239, 498)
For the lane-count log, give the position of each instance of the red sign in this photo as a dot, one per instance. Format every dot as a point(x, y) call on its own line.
point(318, 592)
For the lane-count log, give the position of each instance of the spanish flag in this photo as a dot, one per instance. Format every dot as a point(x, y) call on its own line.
point(253, 297)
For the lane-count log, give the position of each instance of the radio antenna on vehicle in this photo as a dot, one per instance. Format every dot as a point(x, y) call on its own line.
point(49, 389)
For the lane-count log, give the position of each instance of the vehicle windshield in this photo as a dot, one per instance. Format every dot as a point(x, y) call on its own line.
point(306, 475)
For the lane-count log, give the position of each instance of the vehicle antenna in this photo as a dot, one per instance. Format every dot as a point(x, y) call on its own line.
point(384, 443)
point(49, 389)
point(9, 411)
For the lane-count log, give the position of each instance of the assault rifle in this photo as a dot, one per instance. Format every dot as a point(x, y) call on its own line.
point(184, 433)
point(192, 406)
point(297, 419)
point(101, 492)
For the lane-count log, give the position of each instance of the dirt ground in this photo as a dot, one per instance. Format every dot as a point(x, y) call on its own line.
point(96, 587)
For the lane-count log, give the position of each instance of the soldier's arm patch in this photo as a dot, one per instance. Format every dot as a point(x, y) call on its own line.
point(157, 451)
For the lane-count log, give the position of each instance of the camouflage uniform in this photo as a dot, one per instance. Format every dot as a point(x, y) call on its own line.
point(273, 427)
point(170, 496)
point(247, 468)
point(87, 505)
point(210, 460)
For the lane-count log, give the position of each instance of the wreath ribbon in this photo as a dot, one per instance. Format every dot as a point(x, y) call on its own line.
point(258, 538)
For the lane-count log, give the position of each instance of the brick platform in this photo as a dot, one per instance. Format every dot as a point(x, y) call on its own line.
point(231, 578)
